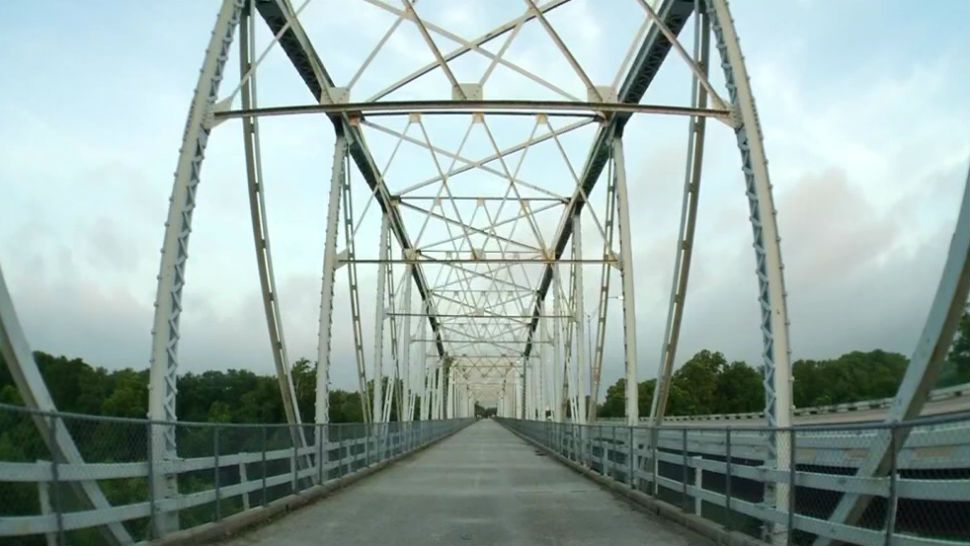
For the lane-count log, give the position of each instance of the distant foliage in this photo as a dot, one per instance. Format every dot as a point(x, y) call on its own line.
point(232, 396)
point(708, 384)
point(959, 372)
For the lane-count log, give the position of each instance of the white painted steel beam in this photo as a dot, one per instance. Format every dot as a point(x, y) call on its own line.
point(325, 330)
point(688, 222)
point(33, 391)
point(924, 366)
point(178, 226)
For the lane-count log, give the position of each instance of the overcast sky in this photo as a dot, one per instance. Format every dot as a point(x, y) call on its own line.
point(867, 127)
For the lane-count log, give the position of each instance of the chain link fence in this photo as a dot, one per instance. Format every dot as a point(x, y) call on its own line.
point(80, 480)
point(867, 484)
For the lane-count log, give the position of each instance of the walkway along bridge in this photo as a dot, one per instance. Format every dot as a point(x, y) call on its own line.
point(476, 202)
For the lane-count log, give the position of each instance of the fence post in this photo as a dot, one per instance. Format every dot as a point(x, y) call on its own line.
point(684, 467)
point(792, 471)
point(698, 484)
point(215, 471)
point(727, 479)
point(263, 429)
point(632, 479)
point(244, 481)
point(44, 498)
point(367, 437)
point(149, 450)
point(294, 434)
point(56, 483)
point(348, 450)
point(893, 498)
point(614, 464)
point(319, 454)
point(654, 463)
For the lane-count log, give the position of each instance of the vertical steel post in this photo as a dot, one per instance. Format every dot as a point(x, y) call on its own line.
point(215, 471)
point(684, 470)
point(244, 479)
point(557, 364)
point(404, 412)
point(633, 462)
point(654, 437)
point(151, 479)
point(579, 310)
point(792, 475)
point(688, 219)
point(383, 255)
point(325, 331)
point(892, 499)
point(56, 483)
point(263, 435)
point(44, 497)
point(348, 449)
point(698, 484)
point(295, 467)
point(727, 478)
point(613, 466)
point(258, 216)
point(174, 255)
point(320, 450)
point(777, 377)
point(626, 273)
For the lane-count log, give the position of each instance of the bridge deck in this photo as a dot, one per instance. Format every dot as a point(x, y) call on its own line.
point(481, 486)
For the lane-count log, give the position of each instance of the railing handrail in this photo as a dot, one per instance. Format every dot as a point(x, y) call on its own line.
point(935, 395)
point(143, 421)
point(632, 456)
point(330, 455)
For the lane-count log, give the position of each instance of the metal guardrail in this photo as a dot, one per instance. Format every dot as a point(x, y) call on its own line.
point(718, 473)
point(937, 395)
point(222, 469)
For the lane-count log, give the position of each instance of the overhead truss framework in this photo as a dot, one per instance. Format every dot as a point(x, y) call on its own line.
point(478, 207)
point(487, 166)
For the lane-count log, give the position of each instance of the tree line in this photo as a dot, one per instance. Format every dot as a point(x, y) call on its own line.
point(231, 396)
point(707, 383)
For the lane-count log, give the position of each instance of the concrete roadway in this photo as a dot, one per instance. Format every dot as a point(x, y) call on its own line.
point(481, 486)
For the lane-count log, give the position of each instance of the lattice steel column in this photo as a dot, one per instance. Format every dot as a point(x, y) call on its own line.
point(325, 331)
point(688, 222)
point(626, 270)
point(579, 311)
point(774, 312)
point(378, 377)
point(260, 225)
point(171, 277)
point(405, 350)
point(557, 365)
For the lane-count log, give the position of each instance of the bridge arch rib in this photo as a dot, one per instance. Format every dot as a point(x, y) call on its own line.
point(476, 236)
point(487, 256)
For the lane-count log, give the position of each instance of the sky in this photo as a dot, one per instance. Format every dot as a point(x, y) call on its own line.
point(864, 107)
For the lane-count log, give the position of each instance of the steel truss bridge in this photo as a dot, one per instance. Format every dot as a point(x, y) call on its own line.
point(468, 194)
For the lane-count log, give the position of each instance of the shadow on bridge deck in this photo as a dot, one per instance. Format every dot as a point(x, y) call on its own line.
point(480, 486)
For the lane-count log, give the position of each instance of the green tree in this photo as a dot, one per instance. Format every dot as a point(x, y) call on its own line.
point(959, 358)
point(694, 386)
point(739, 389)
point(615, 402)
